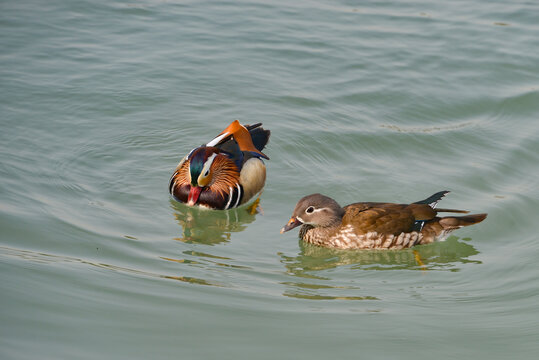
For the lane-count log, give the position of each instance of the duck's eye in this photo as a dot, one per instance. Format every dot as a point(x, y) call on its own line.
point(207, 173)
point(309, 210)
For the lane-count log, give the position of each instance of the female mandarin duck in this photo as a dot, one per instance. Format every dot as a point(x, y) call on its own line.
point(373, 225)
point(226, 172)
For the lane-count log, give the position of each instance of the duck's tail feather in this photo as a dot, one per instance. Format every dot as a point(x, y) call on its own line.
point(432, 200)
point(260, 137)
point(452, 210)
point(453, 222)
point(438, 229)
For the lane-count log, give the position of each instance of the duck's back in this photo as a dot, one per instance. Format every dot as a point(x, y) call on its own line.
point(386, 218)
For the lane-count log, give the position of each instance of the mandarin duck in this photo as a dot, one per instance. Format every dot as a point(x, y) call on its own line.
point(226, 172)
point(374, 225)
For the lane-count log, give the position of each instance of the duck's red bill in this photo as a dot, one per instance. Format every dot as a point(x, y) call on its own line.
point(194, 193)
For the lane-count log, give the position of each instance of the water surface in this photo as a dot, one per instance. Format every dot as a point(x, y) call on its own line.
point(366, 101)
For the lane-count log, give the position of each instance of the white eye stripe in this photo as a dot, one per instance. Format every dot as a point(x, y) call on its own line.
point(207, 165)
point(314, 210)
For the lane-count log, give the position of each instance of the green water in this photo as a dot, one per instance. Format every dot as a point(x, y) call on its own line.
point(381, 101)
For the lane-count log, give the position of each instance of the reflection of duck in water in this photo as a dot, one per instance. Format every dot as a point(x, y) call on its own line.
point(374, 225)
point(308, 280)
point(211, 227)
point(225, 173)
point(429, 257)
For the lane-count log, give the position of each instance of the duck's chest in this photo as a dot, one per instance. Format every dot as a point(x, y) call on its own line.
point(222, 200)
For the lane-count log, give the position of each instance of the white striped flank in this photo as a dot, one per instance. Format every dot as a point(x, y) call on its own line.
point(239, 195)
point(230, 196)
point(172, 184)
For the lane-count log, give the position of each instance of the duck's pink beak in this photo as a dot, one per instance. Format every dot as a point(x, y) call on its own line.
point(194, 193)
point(292, 223)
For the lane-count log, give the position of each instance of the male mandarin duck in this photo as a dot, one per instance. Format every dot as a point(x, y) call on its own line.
point(374, 225)
point(226, 172)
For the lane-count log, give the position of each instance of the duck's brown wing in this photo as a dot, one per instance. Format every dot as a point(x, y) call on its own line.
point(385, 218)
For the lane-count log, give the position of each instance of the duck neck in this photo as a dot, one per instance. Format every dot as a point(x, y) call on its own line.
point(317, 235)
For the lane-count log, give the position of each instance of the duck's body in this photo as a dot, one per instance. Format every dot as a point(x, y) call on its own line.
point(225, 173)
point(372, 225)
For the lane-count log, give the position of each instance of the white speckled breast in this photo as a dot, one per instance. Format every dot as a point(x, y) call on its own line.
point(346, 238)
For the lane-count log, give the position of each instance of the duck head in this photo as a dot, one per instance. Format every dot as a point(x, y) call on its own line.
point(200, 171)
point(316, 210)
